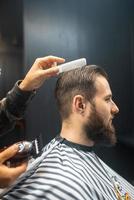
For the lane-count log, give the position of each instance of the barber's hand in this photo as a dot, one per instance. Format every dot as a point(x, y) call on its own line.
point(42, 69)
point(9, 174)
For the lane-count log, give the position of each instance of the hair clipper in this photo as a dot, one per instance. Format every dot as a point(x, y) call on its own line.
point(26, 150)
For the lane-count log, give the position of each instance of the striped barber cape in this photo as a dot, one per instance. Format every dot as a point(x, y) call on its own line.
point(69, 171)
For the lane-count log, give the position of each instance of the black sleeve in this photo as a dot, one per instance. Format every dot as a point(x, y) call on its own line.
point(13, 107)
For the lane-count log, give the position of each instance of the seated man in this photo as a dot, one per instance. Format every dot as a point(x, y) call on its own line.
point(68, 168)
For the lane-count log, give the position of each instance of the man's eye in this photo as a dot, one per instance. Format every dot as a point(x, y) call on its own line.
point(108, 99)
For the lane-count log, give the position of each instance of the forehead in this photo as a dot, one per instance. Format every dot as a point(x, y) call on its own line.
point(102, 86)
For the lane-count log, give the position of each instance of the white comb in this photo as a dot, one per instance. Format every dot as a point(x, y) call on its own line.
point(72, 65)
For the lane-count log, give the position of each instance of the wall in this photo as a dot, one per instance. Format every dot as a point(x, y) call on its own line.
point(11, 53)
point(11, 44)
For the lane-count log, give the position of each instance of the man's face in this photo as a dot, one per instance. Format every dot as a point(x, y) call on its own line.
point(99, 126)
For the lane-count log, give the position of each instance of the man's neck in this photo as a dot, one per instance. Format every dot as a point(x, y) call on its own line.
point(75, 134)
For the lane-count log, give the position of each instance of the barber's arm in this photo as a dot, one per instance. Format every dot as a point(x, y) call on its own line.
point(12, 107)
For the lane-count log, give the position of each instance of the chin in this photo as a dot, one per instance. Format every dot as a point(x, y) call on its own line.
point(111, 140)
point(107, 138)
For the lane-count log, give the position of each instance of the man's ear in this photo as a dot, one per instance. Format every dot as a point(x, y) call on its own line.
point(79, 104)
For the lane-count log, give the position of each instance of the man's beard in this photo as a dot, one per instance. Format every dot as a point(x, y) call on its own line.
point(98, 132)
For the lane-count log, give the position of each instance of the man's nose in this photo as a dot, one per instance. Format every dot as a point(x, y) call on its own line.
point(115, 108)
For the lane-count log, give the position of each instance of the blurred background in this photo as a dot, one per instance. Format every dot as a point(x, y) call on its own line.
point(101, 31)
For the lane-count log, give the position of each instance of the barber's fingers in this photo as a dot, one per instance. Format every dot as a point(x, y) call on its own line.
point(51, 59)
point(48, 61)
point(17, 171)
point(9, 175)
point(50, 72)
point(8, 153)
point(54, 64)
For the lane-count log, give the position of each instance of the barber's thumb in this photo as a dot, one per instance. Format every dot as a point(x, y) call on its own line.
point(8, 153)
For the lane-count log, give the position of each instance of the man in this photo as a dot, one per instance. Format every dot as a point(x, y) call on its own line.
point(68, 168)
point(13, 106)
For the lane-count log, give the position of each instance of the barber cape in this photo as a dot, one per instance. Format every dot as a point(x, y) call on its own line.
point(69, 171)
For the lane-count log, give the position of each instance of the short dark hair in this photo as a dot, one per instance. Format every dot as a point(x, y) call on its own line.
point(79, 81)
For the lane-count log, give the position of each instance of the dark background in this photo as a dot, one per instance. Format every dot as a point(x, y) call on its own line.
point(101, 31)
